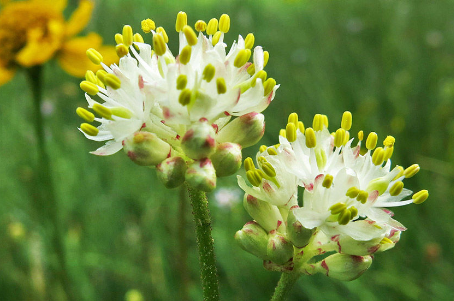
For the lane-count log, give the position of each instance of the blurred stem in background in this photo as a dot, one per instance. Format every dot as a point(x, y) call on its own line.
point(207, 261)
point(47, 203)
point(284, 286)
point(183, 248)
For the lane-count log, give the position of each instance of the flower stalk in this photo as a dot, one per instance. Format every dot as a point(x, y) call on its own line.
point(284, 286)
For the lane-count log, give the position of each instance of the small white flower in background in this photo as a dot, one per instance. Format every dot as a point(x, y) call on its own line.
point(227, 197)
point(177, 97)
point(346, 195)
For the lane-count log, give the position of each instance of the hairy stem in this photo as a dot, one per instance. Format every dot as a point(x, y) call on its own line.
point(284, 286)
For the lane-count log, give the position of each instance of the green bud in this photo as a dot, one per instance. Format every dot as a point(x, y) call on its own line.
point(390, 241)
point(245, 130)
point(199, 142)
point(146, 149)
point(171, 171)
point(201, 175)
point(296, 232)
point(279, 249)
point(267, 215)
point(253, 239)
point(227, 159)
point(344, 267)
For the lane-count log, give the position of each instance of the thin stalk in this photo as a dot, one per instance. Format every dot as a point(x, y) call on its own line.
point(202, 219)
point(284, 286)
point(48, 205)
point(182, 246)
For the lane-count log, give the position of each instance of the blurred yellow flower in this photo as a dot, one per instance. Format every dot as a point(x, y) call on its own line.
point(34, 31)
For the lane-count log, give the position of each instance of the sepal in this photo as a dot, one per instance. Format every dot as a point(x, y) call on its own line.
point(344, 267)
point(253, 239)
point(267, 215)
point(279, 249)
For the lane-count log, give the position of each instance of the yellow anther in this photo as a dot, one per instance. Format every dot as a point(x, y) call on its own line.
point(185, 54)
point(147, 25)
point(182, 21)
point(224, 23)
point(159, 44)
point(216, 38)
point(327, 181)
point(138, 38)
point(317, 122)
point(200, 26)
point(85, 114)
point(271, 151)
point(293, 118)
point(185, 97)
point(362, 196)
point(360, 135)
point(89, 87)
point(208, 72)
point(102, 111)
point(411, 171)
point(190, 35)
point(100, 83)
point(121, 50)
point(121, 112)
point(346, 122)
point(337, 208)
point(325, 120)
point(262, 148)
point(268, 86)
point(101, 75)
point(127, 35)
point(388, 153)
point(290, 132)
point(89, 129)
point(249, 41)
point(389, 141)
point(262, 75)
point(346, 137)
point(344, 217)
point(353, 212)
point(220, 85)
point(420, 196)
point(386, 240)
point(320, 157)
point(112, 81)
point(276, 146)
point(269, 170)
point(311, 141)
point(254, 177)
point(251, 69)
point(371, 141)
point(378, 156)
point(212, 27)
point(94, 56)
point(401, 172)
point(266, 57)
point(242, 57)
point(396, 189)
point(163, 32)
point(118, 38)
point(182, 81)
point(301, 126)
point(352, 192)
point(249, 164)
point(91, 77)
point(339, 137)
point(283, 133)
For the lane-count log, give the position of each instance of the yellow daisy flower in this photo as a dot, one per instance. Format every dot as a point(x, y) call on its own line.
point(33, 32)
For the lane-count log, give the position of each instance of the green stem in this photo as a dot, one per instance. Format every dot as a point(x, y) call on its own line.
point(47, 200)
point(182, 246)
point(202, 219)
point(284, 286)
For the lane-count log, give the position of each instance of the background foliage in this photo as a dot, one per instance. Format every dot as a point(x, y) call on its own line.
point(391, 63)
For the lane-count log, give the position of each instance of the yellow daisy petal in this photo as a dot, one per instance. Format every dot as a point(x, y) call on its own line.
point(58, 5)
point(80, 18)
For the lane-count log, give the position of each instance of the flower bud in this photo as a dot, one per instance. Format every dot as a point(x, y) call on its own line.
point(267, 215)
point(199, 142)
point(296, 232)
point(245, 130)
point(171, 171)
point(146, 149)
point(279, 249)
point(227, 159)
point(350, 246)
point(344, 267)
point(253, 239)
point(389, 241)
point(201, 175)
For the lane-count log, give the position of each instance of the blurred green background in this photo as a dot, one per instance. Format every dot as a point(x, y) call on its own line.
point(391, 63)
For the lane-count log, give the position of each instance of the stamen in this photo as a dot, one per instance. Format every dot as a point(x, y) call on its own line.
point(121, 50)
point(242, 57)
point(127, 35)
point(352, 192)
point(269, 170)
point(182, 21)
point(190, 35)
point(268, 86)
point(378, 156)
point(147, 25)
point(182, 81)
point(113, 81)
point(311, 141)
point(386, 240)
point(301, 126)
point(138, 38)
point(411, 171)
point(262, 75)
point(251, 69)
point(224, 23)
point(249, 41)
point(94, 56)
point(118, 38)
point(337, 208)
point(200, 26)
point(320, 157)
point(283, 133)
point(401, 172)
point(346, 137)
point(249, 164)
point(262, 148)
point(396, 189)
point(163, 32)
point(339, 137)
point(91, 77)
point(362, 196)
point(220, 85)
point(371, 141)
point(185, 54)
point(353, 212)
point(325, 120)
point(420, 196)
point(89, 129)
point(344, 217)
point(327, 181)
point(212, 27)
point(185, 97)
point(159, 45)
point(100, 83)
point(121, 112)
point(293, 118)
point(266, 57)
point(360, 135)
point(208, 72)
point(216, 38)
point(388, 153)
point(101, 75)
point(102, 111)
point(389, 141)
point(346, 122)
point(89, 87)
point(85, 114)
point(290, 132)
point(317, 122)
point(253, 177)
point(271, 151)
